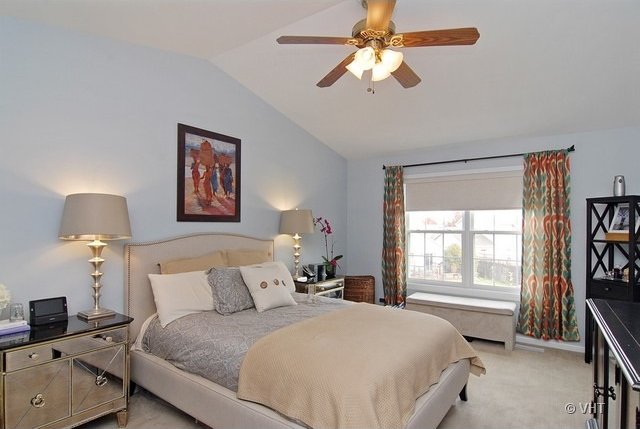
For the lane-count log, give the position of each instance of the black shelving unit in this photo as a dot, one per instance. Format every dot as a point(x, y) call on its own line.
point(605, 252)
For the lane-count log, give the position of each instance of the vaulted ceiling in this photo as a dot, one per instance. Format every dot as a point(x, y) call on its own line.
point(540, 67)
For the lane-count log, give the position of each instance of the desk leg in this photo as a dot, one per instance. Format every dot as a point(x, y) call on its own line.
point(605, 385)
point(624, 386)
point(595, 364)
point(588, 337)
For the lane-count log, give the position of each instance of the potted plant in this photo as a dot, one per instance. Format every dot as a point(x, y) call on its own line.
point(330, 261)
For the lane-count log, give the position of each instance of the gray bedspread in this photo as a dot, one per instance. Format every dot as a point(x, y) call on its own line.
point(213, 346)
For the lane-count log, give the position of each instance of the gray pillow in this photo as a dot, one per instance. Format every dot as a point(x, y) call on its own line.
point(230, 293)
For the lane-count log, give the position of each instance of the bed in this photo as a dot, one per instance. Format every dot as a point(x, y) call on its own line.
point(211, 403)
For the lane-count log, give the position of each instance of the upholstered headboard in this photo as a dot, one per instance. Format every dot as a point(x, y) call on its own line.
point(143, 258)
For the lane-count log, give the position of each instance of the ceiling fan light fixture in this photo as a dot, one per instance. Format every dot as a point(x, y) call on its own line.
point(380, 72)
point(355, 68)
point(391, 59)
point(366, 58)
point(372, 35)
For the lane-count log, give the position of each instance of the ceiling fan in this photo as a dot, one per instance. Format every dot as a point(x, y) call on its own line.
point(374, 36)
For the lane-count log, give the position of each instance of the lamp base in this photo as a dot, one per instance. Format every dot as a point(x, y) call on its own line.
point(95, 313)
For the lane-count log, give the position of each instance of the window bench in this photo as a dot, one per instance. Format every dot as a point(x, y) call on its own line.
point(479, 318)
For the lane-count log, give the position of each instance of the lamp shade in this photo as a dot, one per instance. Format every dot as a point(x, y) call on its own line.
point(392, 59)
point(380, 72)
point(296, 222)
point(355, 68)
point(366, 57)
point(95, 217)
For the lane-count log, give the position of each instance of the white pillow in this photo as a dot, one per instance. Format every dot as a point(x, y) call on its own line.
point(268, 285)
point(177, 295)
point(289, 284)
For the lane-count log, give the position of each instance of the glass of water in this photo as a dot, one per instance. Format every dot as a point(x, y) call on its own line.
point(16, 312)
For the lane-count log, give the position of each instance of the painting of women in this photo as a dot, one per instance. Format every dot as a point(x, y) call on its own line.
point(208, 176)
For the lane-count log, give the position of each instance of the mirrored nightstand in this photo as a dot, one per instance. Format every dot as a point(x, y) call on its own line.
point(66, 374)
point(332, 288)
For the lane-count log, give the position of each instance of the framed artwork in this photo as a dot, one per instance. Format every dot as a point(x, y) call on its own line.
point(208, 176)
point(620, 221)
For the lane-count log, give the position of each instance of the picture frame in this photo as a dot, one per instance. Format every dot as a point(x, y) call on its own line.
point(621, 220)
point(208, 175)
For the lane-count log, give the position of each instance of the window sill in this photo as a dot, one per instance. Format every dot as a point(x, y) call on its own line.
point(510, 295)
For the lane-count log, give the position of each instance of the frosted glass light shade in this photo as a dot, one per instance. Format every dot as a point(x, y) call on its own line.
point(355, 69)
point(366, 58)
point(392, 59)
point(380, 72)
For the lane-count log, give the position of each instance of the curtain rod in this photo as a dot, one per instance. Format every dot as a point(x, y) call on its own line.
point(465, 160)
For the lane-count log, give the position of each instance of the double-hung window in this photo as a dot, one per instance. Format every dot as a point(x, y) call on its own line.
point(465, 230)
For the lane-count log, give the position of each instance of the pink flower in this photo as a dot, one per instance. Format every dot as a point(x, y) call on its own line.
point(326, 230)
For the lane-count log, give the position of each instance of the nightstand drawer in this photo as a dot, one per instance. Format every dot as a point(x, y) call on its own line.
point(91, 342)
point(28, 357)
point(98, 378)
point(38, 395)
point(332, 288)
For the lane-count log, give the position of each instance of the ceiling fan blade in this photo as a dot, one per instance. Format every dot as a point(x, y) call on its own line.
point(453, 36)
point(406, 76)
point(337, 72)
point(379, 14)
point(316, 40)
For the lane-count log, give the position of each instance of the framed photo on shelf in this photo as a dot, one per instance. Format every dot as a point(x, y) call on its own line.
point(208, 176)
point(620, 221)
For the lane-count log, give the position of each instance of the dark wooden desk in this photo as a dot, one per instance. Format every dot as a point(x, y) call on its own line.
point(617, 335)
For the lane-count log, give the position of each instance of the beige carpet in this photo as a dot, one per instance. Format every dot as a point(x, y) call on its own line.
point(522, 389)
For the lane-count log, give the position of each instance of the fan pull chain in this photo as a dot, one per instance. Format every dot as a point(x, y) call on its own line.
point(372, 86)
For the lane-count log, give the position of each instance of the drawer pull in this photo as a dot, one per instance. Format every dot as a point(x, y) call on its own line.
point(101, 380)
point(34, 356)
point(38, 401)
point(607, 289)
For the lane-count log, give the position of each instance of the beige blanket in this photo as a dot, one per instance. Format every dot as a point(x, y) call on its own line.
point(360, 367)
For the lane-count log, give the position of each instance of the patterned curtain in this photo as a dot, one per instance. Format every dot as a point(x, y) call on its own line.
point(393, 247)
point(547, 308)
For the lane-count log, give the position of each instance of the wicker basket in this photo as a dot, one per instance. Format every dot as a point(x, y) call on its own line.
point(360, 288)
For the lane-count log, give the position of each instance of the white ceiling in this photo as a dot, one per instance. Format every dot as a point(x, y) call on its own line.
point(541, 67)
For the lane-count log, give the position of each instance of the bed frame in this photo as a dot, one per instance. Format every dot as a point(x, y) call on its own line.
point(208, 402)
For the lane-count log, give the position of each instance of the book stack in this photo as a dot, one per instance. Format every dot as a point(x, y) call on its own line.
point(7, 327)
point(13, 332)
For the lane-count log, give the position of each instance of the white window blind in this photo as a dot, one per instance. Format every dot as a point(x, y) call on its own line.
point(477, 191)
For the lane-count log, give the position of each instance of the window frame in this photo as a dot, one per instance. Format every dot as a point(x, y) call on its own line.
point(472, 233)
point(442, 287)
point(459, 232)
point(467, 234)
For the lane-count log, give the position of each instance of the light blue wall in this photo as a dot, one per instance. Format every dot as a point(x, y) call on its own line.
point(598, 157)
point(86, 114)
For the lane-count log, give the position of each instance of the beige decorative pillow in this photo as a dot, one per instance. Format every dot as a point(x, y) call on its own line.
point(201, 263)
point(290, 285)
point(268, 285)
point(177, 295)
point(238, 258)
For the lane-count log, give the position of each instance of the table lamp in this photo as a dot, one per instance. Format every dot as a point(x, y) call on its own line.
point(94, 218)
point(296, 222)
